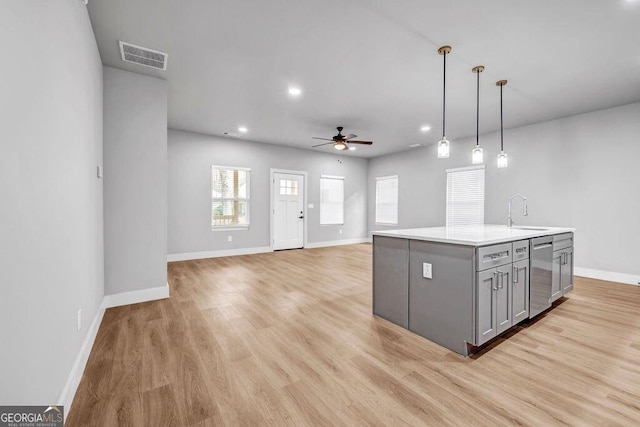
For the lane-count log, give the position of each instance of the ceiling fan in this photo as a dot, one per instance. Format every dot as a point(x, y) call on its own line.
point(340, 141)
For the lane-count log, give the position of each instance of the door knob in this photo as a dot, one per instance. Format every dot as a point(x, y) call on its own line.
point(301, 215)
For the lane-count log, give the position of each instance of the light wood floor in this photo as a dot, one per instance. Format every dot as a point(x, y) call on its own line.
point(288, 338)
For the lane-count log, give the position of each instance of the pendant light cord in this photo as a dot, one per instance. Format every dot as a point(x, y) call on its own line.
point(444, 95)
point(478, 111)
point(501, 128)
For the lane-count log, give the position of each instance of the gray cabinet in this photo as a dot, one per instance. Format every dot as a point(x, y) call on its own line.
point(391, 279)
point(486, 319)
point(566, 272)
point(562, 270)
point(520, 291)
point(502, 288)
point(494, 291)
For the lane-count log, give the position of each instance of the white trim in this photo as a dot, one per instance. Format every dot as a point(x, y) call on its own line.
point(75, 375)
point(217, 254)
point(272, 193)
point(610, 276)
point(387, 177)
point(332, 177)
point(232, 168)
point(134, 297)
point(466, 168)
point(227, 228)
point(339, 242)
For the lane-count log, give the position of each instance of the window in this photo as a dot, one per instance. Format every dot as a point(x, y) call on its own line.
point(229, 197)
point(465, 196)
point(387, 200)
point(288, 187)
point(331, 200)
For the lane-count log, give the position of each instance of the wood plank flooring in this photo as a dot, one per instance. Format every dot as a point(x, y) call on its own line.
point(288, 338)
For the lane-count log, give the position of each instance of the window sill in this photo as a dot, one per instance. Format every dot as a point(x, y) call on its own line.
point(387, 224)
point(229, 228)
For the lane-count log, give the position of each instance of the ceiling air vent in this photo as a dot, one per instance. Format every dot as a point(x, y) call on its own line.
point(143, 56)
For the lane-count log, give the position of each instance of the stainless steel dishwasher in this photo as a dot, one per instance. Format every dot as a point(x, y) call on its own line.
point(541, 264)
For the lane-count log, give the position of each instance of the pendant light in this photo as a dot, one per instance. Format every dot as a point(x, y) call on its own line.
point(443, 144)
point(476, 154)
point(502, 157)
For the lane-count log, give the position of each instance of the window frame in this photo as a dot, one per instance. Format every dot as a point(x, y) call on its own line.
point(226, 227)
point(385, 178)
point(335, 178)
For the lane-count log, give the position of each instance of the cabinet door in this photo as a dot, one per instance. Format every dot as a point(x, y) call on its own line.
point(566, 272)
point(503, 299)
point(520, 291)
point(487, 286)
point(556, 284)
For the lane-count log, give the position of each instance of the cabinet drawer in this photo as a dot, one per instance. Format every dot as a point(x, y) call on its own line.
point(520, 250)
point(562, 241)
point(494, 256)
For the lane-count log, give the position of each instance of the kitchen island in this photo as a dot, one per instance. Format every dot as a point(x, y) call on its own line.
point(461, 287)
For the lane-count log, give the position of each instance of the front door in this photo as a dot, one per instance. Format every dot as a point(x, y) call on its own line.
point(288, 211)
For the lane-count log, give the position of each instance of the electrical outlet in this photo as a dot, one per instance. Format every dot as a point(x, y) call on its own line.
point(310, 205)
point(427, 270)
point(229, 238)
point(340, 231)
point(79, 319)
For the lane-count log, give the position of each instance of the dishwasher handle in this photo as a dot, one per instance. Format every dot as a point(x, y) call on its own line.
point(542, 246)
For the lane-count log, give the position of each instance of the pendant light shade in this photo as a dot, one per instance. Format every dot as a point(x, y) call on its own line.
point(502, 157)
point(477, 155)
point(443, 144)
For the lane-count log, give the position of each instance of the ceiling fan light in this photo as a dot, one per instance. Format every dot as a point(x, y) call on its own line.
point(502, 160)
point(477, 156)
point(443, 148)
point(340, 146)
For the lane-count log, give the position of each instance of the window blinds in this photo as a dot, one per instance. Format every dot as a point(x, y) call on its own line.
point(331, 200)
point(387, 200)
point(465, 196)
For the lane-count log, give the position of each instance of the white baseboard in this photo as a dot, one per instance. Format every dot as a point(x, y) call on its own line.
point(217, 254)
point(607, 275)
point(134, 297)
point(115, 300)
point(337, 243)
point(73, 380)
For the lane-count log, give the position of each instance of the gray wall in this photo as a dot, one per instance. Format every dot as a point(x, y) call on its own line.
point(135, 181)
point(579, 171)
point(190, 158)
point(51, 258)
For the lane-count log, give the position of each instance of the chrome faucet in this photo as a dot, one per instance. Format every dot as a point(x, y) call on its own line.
point(524, 208)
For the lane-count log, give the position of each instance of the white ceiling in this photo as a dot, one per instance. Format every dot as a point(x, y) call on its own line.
point(372, 66)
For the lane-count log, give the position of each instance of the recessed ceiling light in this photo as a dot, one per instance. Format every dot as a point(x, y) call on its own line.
point(425, 128)
point(352, 148)
point(294, 91)
point(242, 129)
point(416, 145)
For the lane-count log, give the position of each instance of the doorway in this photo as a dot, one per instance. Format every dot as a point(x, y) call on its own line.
point(288, 222)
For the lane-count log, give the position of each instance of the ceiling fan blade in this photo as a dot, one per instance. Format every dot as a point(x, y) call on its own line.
point(361, 142)
point(350, 136)
point(320, 145)
point(324, 139)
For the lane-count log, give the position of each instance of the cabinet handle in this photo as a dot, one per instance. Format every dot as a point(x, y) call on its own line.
point(501, 283)
point(515, 274)
point(494, 280)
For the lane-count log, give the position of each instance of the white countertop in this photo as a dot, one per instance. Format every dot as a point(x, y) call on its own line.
point(480, 235)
